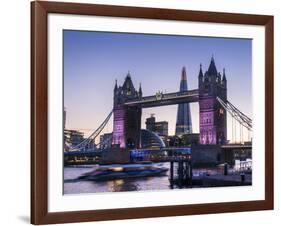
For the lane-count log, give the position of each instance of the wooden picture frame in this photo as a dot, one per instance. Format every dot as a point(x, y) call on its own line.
point(39, 112)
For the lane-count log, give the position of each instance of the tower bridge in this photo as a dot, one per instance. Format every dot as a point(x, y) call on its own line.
point(128, 104)
point(211, 96)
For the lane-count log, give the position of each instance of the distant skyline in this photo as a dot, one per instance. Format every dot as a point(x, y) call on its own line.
point(94, 60)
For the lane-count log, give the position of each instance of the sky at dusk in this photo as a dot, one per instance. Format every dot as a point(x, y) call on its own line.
point(93, 60)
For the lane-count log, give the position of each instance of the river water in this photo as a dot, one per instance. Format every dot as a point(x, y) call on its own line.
point(74, 186)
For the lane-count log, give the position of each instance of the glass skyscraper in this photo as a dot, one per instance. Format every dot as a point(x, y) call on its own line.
point(184, 124)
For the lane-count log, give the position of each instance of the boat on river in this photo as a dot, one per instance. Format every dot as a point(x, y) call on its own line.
point(120, 171)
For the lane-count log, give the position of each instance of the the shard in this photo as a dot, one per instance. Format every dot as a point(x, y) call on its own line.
point(184, 124)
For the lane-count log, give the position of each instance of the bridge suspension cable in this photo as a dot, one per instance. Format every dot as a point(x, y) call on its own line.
point(94, 134)
point(243, 119)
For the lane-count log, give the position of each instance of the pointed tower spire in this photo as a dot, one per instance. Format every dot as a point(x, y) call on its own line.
point(128, 84)
point(140, 91)
point(223, 75)
point(212, 68)
point(224, 82)
point(200, 76)
point(200, 71)
point(183, 74)
point(115, 87)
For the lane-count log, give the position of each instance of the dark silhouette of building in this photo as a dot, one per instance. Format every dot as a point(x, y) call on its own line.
point(161, 127)
point(148, 139)
point(213, 128)
point(73, 137)
point(151, 139)
point(105, 140)
point(183, 124)
point(189, 139)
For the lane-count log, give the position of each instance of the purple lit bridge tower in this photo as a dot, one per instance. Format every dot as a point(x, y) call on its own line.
point(212, 85)
point(126, 118)
point(211, 93)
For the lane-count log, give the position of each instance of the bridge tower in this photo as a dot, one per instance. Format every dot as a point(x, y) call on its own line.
point(213, 125)
point(126, 120)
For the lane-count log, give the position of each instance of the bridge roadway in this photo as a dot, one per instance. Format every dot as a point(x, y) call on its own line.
point(95, 152)
point(161, 99)
point(92, 152)
point(236, 146)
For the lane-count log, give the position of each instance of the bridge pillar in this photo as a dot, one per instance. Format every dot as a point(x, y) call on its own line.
point(213, 125)
point(118, 136)
point(126, 120)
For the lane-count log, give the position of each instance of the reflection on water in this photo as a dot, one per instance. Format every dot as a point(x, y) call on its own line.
point(74, 186)
point(121, 185)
